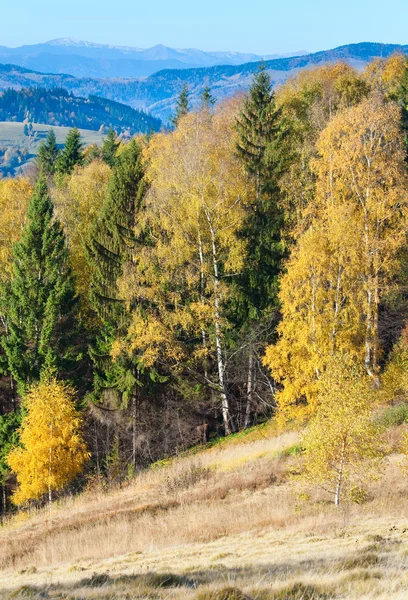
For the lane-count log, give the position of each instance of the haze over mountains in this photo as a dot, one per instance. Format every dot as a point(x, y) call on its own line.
point(158, 92)
point(86, 59)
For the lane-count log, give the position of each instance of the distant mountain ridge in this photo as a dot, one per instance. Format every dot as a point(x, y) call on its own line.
point(158, 92)
point(87, 59)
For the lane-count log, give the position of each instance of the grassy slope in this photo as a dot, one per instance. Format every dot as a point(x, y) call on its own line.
point(12, 134)
point(226, 516)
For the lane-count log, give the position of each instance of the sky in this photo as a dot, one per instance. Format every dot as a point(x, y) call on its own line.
point(259, 26)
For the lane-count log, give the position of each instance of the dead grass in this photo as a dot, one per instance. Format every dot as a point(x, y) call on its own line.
point(223, 524)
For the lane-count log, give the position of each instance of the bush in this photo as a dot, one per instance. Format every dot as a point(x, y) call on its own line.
point(393, 415)
point(187, 477)
point(357, 495)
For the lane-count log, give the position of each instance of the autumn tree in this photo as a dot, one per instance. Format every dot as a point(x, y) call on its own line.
point(341, 444)
point(345, 262)
point(78, 200)
point(178, 285)
point(52, 450)
point(15, 195)
point(40, 301)
point(307, 103)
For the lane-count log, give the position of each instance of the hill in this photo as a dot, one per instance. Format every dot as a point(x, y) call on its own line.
point(157, 93)
point(86, 59)
point(17, 149)
point(222, 523)
point(61, 108)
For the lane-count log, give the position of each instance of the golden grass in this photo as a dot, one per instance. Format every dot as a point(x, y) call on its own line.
point(226, 518)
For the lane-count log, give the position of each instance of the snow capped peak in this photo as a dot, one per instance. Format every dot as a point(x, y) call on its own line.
point(76, 42)
point(69, 41)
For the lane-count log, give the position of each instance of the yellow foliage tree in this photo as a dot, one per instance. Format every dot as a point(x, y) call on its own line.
point(52, 451)
point(341, 443)
point(308, 102)
point(395, 377)
point(193, 210)
point(345, 261)
point(78, 198)
point(15, 195)
point(385, 73)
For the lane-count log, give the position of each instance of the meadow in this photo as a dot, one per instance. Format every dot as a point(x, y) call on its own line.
point(224, 522)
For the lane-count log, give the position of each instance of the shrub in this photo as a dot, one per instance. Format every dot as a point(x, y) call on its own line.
point(393, 415)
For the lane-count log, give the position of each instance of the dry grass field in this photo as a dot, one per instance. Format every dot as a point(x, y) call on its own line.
point(224, 523)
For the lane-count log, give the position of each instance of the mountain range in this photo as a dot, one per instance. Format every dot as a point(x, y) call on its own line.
point(86, 59)
point(158, 92)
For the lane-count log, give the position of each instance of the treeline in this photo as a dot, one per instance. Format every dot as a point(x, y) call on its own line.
point(59, 107)
point(251, 263)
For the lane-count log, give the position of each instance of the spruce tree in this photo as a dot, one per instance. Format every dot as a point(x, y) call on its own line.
point(255, 302)
point(48, 154)
point(260, 131)
point(182, 106)
point(207, 99)
point(111, 242)
point(72, 154)
point(109, 148)
point(40, 302)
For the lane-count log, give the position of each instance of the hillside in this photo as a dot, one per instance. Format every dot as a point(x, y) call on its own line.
point(59, 107)
point(220, 519)
point(157, 93)
point(17, 149)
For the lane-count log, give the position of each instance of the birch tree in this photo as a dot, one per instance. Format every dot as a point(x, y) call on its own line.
point(345, 262)
point(194, 208)
point(341, 444)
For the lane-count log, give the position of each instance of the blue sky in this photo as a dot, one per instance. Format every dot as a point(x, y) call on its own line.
point(262, 26)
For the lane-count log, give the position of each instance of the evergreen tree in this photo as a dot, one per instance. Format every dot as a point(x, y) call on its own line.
point(207, 99)
point(26, 129)
point(255, 300)
point(260, 132)
point(109, 148)
point(111, 242)
point(182, 106)
point(40, 301)
point(48, 154)
point(72, 154)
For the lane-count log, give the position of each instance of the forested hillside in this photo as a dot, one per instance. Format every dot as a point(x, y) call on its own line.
point(158, 93)
point(247, 266)
point(61, 108)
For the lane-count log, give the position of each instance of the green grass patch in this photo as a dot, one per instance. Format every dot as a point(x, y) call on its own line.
point(392, 415)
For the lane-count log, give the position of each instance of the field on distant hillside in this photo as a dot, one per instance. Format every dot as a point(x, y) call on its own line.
point(17, 149)
point(224, 523)
point(12, 134)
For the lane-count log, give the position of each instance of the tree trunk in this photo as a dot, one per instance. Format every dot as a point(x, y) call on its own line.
point(202, 289)
point(250, 389)
point(134, 432)
point(217, 321)
point(340, 475)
